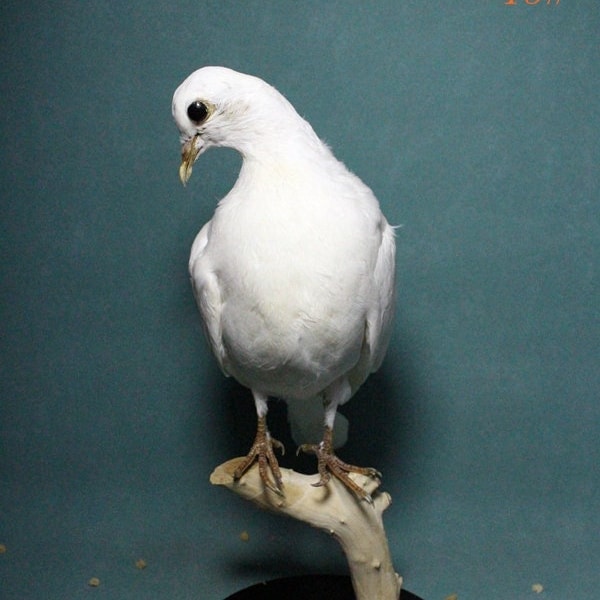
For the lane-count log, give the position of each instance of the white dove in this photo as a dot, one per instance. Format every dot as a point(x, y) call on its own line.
point(294, 274)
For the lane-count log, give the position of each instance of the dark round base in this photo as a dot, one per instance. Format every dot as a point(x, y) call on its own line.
point(305, 587)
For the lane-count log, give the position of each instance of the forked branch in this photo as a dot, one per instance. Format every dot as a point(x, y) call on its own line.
point(356, 524)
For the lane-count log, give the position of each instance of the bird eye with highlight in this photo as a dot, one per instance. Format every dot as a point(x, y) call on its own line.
point(197, 112)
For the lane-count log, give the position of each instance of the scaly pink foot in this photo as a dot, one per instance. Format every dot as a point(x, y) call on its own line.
point(329, 464)
point(262, 450)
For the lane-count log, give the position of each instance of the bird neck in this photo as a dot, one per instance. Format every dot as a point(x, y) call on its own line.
point(296, 146)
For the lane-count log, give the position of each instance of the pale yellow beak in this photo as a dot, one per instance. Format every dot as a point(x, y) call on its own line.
point(189, 153)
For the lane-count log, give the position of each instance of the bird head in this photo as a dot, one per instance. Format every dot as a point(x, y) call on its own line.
point(216, 106)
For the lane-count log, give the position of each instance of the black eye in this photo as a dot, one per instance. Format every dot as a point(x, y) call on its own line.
point(197, 111)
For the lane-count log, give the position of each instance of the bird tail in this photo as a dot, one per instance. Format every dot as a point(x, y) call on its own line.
point(306, 418)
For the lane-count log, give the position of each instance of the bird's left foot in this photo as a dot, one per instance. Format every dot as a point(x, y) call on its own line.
point(262, 450)
point(329, 464)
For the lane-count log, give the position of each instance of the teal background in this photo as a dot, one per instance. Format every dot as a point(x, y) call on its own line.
point(476, 124)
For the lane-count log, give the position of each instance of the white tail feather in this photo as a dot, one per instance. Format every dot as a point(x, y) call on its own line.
point(306, 418)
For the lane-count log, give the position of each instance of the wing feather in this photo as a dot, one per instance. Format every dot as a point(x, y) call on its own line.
point(207, 292)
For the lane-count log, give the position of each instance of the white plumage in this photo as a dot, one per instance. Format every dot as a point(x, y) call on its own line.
point(294, 274)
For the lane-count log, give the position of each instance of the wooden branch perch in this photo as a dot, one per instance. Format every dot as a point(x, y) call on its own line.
point(356, 524)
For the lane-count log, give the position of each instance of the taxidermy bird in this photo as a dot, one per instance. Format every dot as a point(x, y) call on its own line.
point(294, 274)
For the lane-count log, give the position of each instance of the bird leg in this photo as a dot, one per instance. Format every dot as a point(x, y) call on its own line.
point(329, 464)
point(262, 450)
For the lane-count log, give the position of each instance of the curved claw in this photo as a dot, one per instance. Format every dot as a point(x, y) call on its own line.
point(277, 444)
point(329, 464)
point(262, 451)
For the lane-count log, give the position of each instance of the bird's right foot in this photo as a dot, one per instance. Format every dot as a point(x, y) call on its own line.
point(262, 451)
